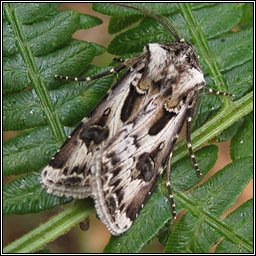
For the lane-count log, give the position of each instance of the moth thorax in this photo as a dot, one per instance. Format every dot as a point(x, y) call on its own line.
point(157, 59)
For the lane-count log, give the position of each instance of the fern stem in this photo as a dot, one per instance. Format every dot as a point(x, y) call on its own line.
point(204, 49)
point(51, 229)
point(34, 74)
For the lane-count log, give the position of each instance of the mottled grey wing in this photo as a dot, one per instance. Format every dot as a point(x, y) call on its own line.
point(125, 170)
point(67, 172)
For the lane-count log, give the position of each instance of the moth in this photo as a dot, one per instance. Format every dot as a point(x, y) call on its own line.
point(117, 153)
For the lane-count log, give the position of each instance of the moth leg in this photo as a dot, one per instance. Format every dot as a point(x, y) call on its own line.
point(124, 63)
point(168, 185)
point(188, 131)
point(189, 119)
point(113, 70)
point(120, 60)
point(218, 92)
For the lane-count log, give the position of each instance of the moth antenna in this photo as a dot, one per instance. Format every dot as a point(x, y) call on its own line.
point(157, 16)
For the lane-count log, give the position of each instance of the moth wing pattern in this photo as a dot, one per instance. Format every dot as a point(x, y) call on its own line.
point(117, 153)
point(126, 169)
point(67, 172)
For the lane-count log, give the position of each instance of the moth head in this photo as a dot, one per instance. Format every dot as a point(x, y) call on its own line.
point(185, 52)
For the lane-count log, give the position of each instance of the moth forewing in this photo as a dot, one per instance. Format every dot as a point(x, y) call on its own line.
point(125, 170)
point(67, 173)
point(117, 153)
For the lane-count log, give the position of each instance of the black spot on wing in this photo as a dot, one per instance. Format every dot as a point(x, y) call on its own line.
point(129, 103)
point(158, 84)
point(136, 141)
point(65, 171)
point(132, 210)
point(111, 205)
point(73, 180)
point(114, 158)
point(104, 117)
point(59, 160)
point(161, 122)
point(141, 70)
point(145, 166)
point(70, 182)
point(116, 171)
point(78, 169)
point(94, 133)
